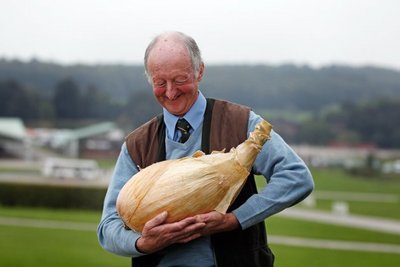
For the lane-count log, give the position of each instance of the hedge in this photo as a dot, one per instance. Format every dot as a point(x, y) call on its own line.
point(51, 196)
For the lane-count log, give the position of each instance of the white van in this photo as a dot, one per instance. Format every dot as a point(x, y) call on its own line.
point(64, 168)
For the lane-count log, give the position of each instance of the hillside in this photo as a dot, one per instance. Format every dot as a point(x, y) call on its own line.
point(260, 86)
point(321, 106)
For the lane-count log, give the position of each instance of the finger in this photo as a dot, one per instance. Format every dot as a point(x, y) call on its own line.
point(158, 220)
point(186, 225)
point(195, 229)
point(190, 220)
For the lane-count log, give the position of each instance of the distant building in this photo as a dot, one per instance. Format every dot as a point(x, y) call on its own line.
point(102, 140)
point(338, 156)
point(391, 166)
point(342, 156)
point(13, 139)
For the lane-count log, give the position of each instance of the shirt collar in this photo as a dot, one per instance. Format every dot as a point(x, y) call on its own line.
point(194, 116)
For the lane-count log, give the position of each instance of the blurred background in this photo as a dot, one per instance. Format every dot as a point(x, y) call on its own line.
point(326, 74)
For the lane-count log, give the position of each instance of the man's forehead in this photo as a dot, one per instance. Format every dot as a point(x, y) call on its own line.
point(169, 47)
point(161, 70)
point(169, 55)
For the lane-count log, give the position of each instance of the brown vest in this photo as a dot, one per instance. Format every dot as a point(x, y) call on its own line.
point(224, 126)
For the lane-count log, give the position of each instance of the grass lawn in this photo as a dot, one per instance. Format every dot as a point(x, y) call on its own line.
point(22, 246)
point(286, 256)
point(298, 228)
point(28, 246)
point(340, 181)
point(386, 210)
point(89, 216)
point(25, 246)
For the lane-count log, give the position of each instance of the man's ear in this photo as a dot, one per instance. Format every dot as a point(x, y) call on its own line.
point(201, 72)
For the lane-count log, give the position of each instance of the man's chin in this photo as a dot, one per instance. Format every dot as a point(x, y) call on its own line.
point(176, 111)
point(178, 108)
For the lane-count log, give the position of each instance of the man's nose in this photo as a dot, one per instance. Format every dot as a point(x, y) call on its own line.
point(170, 91)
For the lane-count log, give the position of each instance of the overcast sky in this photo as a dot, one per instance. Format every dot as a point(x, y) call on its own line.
point(314, 32)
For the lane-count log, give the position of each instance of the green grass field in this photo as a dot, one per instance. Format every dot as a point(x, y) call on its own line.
point(30, 246)
point(297, 256)
point(24, 246)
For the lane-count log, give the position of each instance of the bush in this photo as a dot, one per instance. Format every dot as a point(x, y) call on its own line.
point(51, 196)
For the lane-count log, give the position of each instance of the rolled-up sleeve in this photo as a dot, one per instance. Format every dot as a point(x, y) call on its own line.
point(111, 232)
point(289, 180)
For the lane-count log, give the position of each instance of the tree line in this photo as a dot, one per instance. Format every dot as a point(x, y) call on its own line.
point(288, 87)
point(344, 104)
point(72, 102)
point(372, 122)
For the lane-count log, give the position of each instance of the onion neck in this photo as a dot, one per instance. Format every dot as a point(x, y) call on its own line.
point(247, 151)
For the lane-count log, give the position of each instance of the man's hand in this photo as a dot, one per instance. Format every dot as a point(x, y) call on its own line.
point(217, 222)
point(157, 234)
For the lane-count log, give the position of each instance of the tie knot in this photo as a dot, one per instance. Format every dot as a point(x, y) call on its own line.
point(184, 127)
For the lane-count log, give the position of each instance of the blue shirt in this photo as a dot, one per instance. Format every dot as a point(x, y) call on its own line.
point(289, 181)
point(194, 116)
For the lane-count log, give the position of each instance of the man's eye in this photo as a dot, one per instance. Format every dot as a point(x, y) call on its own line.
point(159, 83)
point(180, 81)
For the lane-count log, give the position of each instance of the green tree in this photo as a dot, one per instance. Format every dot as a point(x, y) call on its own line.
point(373, 122)
point(315, 131)
point(67, 100)
point(141, 107)
point(97, 104)
point(18, 101)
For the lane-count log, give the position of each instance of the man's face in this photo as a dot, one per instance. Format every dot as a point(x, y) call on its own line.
point(173, 79)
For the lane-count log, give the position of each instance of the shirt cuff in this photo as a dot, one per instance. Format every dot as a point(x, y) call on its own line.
point(243, 215)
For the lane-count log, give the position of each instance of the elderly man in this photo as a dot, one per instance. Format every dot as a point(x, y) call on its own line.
point(174, 68)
